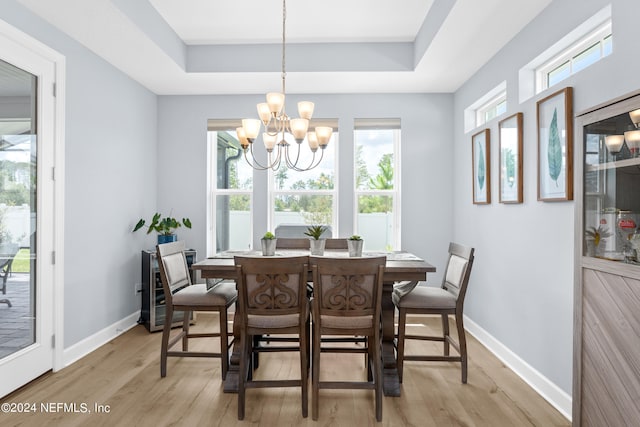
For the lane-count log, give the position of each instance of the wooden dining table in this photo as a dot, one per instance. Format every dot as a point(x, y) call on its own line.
point(400, 266)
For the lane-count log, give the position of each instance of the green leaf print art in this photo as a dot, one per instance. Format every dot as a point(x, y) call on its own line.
point(481, 171)
point(554, 150)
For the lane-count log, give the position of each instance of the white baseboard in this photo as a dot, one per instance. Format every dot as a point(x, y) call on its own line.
point(557, 397)
point(100, 338)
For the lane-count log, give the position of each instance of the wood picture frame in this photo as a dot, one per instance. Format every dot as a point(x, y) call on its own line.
point(481, 167)
point(510, 167)
point(555, 146)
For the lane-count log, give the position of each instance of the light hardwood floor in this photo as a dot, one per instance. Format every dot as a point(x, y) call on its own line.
point(123, 377)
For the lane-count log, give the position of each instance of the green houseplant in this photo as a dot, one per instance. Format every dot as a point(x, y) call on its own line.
point(268, 242)
point(316, 244)
point(354, 245)
point(165, 227)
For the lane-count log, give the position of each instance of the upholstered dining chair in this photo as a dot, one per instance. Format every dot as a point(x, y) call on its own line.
point(347, 301)
point(181, 295)
point(448, 299)
point(272, 299)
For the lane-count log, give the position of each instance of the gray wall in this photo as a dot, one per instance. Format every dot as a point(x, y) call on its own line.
point(426, 166)
point(521, 289)
point(110, 171)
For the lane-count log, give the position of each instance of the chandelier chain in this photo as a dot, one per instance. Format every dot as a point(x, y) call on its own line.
point(284, 21)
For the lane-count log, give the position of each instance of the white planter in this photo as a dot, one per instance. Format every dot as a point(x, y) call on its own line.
point(355, 247)
point(268, 247)
point(317, 246)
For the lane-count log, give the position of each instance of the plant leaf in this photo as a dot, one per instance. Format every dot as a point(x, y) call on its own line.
point(139, 225)
point(481, 171)
point(554, 149)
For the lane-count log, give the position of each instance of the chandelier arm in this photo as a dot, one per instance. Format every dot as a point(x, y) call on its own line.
point(254, 163)
point(311, 164)
point(290, 164)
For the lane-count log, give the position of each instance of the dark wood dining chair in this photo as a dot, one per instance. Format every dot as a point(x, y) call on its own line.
point(448, 299)
point(347, 301)
point(181, 295)
point(272, 300)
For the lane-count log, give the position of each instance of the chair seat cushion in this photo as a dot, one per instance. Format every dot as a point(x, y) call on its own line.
point(425, 297)
point(198, 296)
point(346, 322)
point(274, 322)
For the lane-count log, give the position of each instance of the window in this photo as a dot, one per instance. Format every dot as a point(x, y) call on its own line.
point(581, 54)
point(231, 189)
point(584, 45)
point(492, 109)
point(308, 197)
point(486, 108)
point(377, 183)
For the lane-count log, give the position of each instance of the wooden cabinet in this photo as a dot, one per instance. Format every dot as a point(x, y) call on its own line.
point(607, 268)
point(153, 307)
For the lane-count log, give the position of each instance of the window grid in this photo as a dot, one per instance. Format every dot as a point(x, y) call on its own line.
point(492, 109)
point(585, 52)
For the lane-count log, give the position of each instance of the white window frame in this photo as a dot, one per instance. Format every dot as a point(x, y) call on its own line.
point(213, 191)
point(273, 192)
point(474, 114)
point(395, 124)
point(595, 37)
point(528, 79)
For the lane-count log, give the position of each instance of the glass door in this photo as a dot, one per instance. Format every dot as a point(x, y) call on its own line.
point(26, 215)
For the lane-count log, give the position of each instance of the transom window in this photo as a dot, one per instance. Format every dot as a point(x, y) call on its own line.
point(377, 182)
point(580, 55)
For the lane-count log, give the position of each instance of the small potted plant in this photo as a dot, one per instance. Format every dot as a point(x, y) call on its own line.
point(316, 244)
point(165, 227)
point(268, 242)
point(354, 244)
point(596, 240)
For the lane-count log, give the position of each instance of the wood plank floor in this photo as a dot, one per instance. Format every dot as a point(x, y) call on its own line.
point(123, 378)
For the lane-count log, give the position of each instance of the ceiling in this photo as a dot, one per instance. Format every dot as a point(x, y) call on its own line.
point(333, 46)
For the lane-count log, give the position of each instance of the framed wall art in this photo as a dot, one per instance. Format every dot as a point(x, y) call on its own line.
point(510, 148)
point(481, 168)
point(555, 146)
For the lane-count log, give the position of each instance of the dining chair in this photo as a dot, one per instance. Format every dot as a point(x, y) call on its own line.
point(272, 300)
point(448, 299)
point(181, 295)
point(347, 301)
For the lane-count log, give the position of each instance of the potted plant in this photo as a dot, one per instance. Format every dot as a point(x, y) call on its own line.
point(268, 242)
point(354, 244)
point(164, 227)
point(316, 244)
point(596, 240)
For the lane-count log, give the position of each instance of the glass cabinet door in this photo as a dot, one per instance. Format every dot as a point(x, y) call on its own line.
point(612, 188)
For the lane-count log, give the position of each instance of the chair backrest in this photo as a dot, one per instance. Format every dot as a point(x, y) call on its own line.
point(303, 243)
point(348, 286)
point(297, 231)
point(458, 269)
point(174, 271)
point(271, 286)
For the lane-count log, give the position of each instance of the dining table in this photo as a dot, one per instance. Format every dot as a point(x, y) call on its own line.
point(401, 266)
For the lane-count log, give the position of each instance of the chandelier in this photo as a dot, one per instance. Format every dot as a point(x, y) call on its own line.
point(277, 125)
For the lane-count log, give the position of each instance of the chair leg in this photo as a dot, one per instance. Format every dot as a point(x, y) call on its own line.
point(402, 323)
point(186, 320)
point(224, 343)
point(377, 375)
point(462, 342)
point(164, 348)
point(304, 369)
point(315, 371)
point(242, 377)
point(445, 333)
